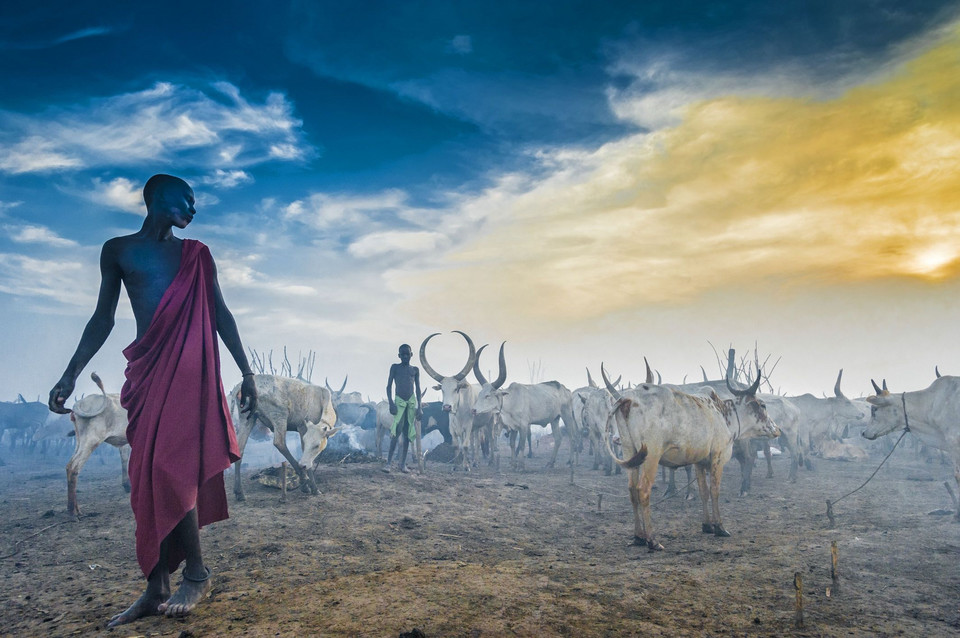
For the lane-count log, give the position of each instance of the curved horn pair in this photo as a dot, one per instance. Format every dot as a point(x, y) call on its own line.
point(342, 388)
point(878, 389)
point(610, 387)
point(471, 358)
point(503, 369)
point(751, 391)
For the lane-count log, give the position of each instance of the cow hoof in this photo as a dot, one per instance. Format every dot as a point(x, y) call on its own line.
point(708, 528)
point(240, 498)
point(640, 542)
point(548, 466)
point(719, 531)
point(743, 493)
point(126, 488)
point(654, 546)
point(769, 474)
point(808, 464)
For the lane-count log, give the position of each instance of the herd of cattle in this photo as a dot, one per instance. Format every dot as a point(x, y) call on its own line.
point(640, 428)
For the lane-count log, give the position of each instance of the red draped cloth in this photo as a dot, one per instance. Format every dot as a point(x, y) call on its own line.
point(180, 431)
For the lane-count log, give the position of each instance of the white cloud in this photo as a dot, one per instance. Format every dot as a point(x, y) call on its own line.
point(396, 241)
point(119, 192)
point(322, 210)
point(154, 125)
point(227, 179)
point(48, 279)
point(31, 234)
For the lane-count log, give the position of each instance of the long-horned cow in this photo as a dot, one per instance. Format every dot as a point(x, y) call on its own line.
point(458, 397)
point(286, 404)
point(96, 419)
point(521, 405)
point(825, 418)
point(933, 414)
point(662, 426)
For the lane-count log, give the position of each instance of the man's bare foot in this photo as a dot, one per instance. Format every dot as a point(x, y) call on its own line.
point(190, 592)
point(147, 605)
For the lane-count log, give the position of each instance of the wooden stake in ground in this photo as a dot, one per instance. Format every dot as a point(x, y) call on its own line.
point(418, 448)
point(798, 587)
point(599, 502)
point(834, 572)
point(283, 482)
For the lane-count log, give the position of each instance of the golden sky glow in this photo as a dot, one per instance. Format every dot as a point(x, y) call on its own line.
point(744, 192)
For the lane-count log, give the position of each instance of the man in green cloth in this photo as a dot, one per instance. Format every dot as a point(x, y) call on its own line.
point(405, 408)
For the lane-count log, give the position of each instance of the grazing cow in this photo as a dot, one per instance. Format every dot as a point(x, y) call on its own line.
point(522, 405)
point(20, 416)
point(660, 425)
point(458, 397)
point(826, 418)
point(96, 419)
point(286, 404)
point(933, 415)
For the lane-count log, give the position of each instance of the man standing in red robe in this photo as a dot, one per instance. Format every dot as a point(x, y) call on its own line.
point(180, 431)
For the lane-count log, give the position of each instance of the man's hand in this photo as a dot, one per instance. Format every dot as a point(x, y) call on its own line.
point(393, 408)
point(419, 413)
point(59, 394)
point(248, 395)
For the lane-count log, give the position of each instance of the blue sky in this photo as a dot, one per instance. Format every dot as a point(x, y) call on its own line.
point(361, 166)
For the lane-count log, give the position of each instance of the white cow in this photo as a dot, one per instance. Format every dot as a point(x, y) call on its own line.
point(96, 419)
point(825, 418)
point(284, 404)
point(522, 405)
point(933, 415)
point(458, 397)
point(660, 425)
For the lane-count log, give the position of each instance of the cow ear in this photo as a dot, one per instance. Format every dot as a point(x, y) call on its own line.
point(582, 398)
point(624, 405)
point(438, 388)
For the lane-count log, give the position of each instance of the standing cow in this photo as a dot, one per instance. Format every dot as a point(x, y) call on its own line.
point(662, 426)
point(286, 404)
point(458, 397)
point(933, 415)
point(521, 405)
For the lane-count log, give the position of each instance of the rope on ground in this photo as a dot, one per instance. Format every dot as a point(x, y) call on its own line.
point(906, 429)
point(16, 546)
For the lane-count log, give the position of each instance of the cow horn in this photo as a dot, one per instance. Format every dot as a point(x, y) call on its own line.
point(876, 388)
point(423, 359)
point(471, 359)
point(476, 367)
point(836, 388)
point(659, 378)
point(751, 391)
point(612, 390)
point(503, 369)
point(590, 380)
point(936, 369)
point(705, 379)
point(649, 371)
point(885, 386)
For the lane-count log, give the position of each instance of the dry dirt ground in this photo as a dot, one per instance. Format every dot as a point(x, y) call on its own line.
point(485, 554)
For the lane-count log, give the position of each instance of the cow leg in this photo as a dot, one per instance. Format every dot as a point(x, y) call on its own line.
point(279, 420)
point(743, 452)
point(769, 457)
point(633, 487)
point(557, 439)
point(671, 482)
point(243, 433)
point(716, 474)
point(125, 467)
point(85, 448)
point(956, 476)
point(648, 476)
point(704, 498)
point(529, 443)
point(689, 495)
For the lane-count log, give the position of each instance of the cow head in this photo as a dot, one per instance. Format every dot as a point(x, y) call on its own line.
point(886, 412)
point(490, 397)
point(450, 387)
point(315, 439)
point(752, 419)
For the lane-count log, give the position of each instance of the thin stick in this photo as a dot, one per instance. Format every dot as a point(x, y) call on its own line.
point(599, 503)
point(283, 482)
point(834, 572)
point(798, 587)
point(23, 540)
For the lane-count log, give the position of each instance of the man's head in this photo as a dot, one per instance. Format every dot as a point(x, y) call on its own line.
point(171, 196)
point(405, 353)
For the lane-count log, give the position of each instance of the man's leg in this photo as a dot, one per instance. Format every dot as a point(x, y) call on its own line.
point(196, 577)
point(157, 591)
point(393, 447)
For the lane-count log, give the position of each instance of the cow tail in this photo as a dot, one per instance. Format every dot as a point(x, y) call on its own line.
point(637, 459)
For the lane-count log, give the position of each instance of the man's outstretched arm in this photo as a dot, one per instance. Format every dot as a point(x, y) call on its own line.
point(227, 329)
point(96, 331)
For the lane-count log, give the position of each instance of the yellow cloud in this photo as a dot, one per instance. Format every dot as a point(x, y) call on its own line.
point(745, 191)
